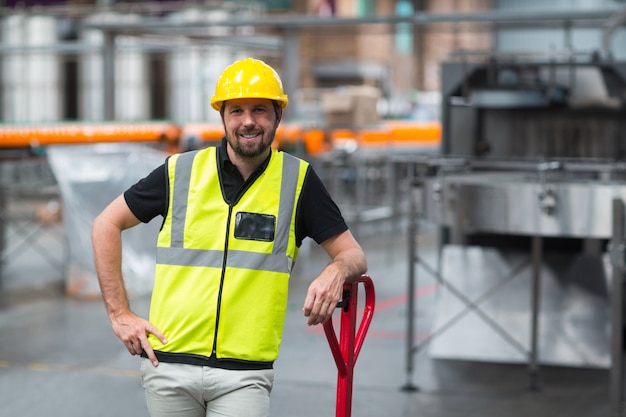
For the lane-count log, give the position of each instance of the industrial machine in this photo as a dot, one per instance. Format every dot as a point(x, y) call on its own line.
point(526, 196)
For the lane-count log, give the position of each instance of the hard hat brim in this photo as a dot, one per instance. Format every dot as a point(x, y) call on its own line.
point(216, 102)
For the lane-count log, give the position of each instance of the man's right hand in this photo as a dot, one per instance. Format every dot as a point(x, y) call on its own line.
point(133, 331)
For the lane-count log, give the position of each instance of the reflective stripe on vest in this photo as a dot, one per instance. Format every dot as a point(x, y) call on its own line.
point(177, 255)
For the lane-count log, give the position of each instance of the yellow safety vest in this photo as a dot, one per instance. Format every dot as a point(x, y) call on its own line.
point(222, 272)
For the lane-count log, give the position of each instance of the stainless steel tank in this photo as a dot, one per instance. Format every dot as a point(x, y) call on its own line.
point(131, 80)
point(30, 79)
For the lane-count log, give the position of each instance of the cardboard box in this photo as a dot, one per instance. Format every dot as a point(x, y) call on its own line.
point(352, 106)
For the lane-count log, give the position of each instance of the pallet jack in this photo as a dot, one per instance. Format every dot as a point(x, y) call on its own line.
point(346, 350)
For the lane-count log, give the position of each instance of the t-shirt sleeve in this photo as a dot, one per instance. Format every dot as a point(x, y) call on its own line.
point(318, 216)
point(147, 198)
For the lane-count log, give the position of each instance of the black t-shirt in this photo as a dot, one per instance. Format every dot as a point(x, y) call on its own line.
point(317, 215)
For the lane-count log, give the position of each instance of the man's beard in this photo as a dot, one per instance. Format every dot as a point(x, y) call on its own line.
point(251, 151)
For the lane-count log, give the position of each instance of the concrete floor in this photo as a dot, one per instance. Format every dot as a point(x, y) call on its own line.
point(59, 357)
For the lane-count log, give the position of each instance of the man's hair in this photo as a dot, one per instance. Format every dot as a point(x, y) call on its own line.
point(277, 107)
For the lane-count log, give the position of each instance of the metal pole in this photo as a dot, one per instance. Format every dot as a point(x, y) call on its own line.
point(617, 349)
point(291, 70)
point(3, 221)
point(108, 74)
point(533, 366)
point(359, 165)
point(412, 245)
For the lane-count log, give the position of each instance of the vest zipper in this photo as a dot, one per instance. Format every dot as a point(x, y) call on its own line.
point(247, 184)
point(223, 275)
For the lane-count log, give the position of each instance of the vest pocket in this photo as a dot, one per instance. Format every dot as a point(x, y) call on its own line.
point(255, 226)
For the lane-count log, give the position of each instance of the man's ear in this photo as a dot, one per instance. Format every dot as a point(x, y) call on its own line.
point(279, 115)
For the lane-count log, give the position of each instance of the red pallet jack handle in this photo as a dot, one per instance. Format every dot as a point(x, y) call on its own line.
point(346, 350)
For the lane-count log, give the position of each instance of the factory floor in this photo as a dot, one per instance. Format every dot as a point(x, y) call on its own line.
point(59, 357)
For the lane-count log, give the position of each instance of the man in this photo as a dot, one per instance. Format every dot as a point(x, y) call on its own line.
point(234, 218)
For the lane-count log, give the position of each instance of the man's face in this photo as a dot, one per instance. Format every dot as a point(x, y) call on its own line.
point(250, 125)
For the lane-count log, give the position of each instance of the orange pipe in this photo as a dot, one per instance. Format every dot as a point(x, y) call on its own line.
point(15, 136)
point(407, 132)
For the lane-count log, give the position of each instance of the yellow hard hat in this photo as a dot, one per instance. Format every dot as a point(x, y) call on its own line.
point(248, 78)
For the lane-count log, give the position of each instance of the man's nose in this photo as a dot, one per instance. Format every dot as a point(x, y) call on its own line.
point(248, 118)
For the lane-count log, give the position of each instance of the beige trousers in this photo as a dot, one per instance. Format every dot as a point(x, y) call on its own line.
point(199, 391)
